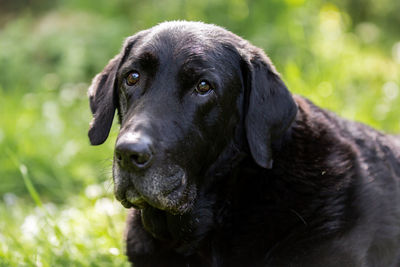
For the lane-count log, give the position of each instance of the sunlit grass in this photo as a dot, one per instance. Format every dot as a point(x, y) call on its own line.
point(85, 231)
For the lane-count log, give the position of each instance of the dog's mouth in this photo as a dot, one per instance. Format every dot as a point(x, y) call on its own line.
point(133, 199)
point(167, 190)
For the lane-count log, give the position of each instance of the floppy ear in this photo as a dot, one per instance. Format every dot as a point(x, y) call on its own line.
point(103, 102)
point(270, 107)
point(103, 93)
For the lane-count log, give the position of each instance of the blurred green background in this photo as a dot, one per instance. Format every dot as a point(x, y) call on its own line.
point(56, 203)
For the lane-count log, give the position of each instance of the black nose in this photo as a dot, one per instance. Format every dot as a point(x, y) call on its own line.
point(134, 151)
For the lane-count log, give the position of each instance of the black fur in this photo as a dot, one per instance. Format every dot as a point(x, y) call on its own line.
point(246, 175)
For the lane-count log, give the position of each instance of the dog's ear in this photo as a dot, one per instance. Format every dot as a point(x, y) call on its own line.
point(103, 93)
point(270, 106)
point(103, 102)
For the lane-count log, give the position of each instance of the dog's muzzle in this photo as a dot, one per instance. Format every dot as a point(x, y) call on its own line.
point(140, 180)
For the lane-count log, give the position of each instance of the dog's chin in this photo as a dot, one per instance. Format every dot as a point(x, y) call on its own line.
point(133, 199)
point(174, 203)
point(164, 189)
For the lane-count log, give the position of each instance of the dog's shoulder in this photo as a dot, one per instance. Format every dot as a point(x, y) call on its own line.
point(363, 135)
point(369, 145)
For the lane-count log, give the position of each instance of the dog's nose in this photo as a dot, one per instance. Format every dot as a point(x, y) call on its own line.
point(134, 151)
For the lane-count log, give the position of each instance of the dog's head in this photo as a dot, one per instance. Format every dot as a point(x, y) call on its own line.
point(189, 96)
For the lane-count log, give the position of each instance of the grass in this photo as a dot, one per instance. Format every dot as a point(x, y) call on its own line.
point(56, 202)
point(85, 231)
point(82, 233)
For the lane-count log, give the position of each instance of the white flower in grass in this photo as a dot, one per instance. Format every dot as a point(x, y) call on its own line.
point(114, 251)
point(106, 206)
point(94, 191)
point(71, 213)
point(64, 226)
point(54, 240)
point(30, 228)
point(65, 220)
point(38, 261)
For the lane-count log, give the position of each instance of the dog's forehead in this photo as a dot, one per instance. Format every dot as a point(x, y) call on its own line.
point(183, 40)
point(181, 34)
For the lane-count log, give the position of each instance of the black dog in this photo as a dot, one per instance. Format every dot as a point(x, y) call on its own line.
point(224, 167)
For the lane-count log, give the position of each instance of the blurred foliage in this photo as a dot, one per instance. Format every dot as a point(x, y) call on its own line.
point(342, 54)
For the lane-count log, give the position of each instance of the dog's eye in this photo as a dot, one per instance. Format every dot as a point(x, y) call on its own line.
point(203, 87)
point(132, 78)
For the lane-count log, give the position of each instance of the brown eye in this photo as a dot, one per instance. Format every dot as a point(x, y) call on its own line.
point(203, 87)
point(132, 78)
